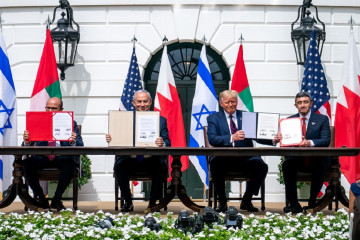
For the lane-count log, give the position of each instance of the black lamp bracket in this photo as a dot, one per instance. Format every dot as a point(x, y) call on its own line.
point(64, 4)
point(304, 11)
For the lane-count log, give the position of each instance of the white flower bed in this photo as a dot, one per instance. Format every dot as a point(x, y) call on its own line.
point(33, 225)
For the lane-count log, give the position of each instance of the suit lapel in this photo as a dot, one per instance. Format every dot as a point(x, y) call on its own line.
point(311, 124)
point(225, 126)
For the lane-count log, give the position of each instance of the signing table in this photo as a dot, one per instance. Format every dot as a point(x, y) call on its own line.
point(18, 188)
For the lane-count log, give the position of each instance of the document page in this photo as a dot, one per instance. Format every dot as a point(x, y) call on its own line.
point(267, 125)
point(291, 132)
point(121, 128)
point(147, 128)
point(249, 120)
point(62, 125)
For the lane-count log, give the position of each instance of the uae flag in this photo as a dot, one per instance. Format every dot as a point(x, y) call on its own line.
point(46, 84)
point(347, 115)
point(168, 103)
point(240, 84)
point(47, 80)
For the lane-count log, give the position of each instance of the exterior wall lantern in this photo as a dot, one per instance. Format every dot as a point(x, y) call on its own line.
point(65, 38)
point(300, 36)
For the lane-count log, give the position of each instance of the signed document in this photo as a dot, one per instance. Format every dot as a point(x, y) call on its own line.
point(49, 126)
point(133, 128)
point(291, 131)
point(147, 128)
point(257, 125)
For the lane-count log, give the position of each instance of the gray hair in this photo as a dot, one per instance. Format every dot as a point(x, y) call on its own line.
point(302, 94)
point(141, 91)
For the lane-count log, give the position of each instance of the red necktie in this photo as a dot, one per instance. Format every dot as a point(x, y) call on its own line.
point(307, 159)
point(51, 144)
point(232, 125)
point(304, 127)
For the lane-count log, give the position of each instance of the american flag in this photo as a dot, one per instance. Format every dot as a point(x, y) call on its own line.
point(314, 81)
point(131, 85)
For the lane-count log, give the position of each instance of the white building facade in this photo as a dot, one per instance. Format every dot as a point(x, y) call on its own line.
point(94, 85)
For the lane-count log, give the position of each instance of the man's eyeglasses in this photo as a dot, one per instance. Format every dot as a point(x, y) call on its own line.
point(51, 108)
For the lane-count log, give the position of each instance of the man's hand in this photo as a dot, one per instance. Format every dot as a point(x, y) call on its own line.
point(108, 138)
point(159, 142)
point(26, 137)
point(239, 135)
point(305, 143)
point(278, 137)
point(73, 138)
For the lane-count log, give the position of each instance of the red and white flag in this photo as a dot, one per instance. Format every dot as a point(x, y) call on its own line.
point(168, 103)
point(347, 115)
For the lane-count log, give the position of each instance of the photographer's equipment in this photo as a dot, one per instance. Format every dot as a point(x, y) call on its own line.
point(152, 224)
point(198, 225)
point(232, 219)
point(106, 223)
point(209, 216)
point(184, 222)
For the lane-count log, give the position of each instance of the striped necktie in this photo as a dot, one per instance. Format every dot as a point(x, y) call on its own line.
point(232, 125)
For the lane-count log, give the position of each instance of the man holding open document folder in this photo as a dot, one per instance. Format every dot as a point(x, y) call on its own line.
point(316, 133)
point(225, 130)
point(156, 165)
point(66, 164)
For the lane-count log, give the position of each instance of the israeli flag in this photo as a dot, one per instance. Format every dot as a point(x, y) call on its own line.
point(204, 104)
point(8, 130)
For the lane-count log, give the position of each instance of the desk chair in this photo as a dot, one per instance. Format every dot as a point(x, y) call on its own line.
point(237, 175)
point(305, 177)
point(52, 174)
point(136, 176)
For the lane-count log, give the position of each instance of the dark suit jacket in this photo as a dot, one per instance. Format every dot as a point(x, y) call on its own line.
point(318, 129)
point(164, 133)
point(219, 133)
point(78, 142)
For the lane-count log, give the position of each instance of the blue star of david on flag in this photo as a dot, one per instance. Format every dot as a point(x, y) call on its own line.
point(5, 117)
point(204, 111)
point(204, 104)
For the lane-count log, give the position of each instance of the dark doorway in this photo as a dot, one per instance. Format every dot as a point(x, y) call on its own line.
point(184, 58)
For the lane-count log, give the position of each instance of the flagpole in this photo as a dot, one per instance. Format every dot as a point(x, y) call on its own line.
point(241, 39)
point(351, 22)
point(134, 40)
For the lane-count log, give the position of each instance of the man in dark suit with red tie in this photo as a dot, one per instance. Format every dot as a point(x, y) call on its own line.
point(224, 130)
point(316, 133)
point(66, 164)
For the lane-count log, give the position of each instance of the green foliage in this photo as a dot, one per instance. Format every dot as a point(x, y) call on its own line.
point(85, 174)
point(281, 175)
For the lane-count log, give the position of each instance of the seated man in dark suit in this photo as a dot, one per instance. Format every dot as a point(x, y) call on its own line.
point(156, 165)
point(224, 130)
point(316, 133)
point(66, 164)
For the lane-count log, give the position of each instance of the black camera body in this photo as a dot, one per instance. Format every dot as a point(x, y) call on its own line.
point(106, 223)
point(152, 224)
point(198, 225)
point(232, 219)
point(209, 216)
point(184, 221)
